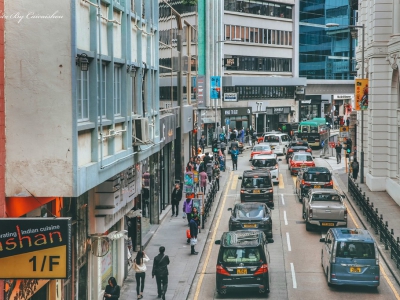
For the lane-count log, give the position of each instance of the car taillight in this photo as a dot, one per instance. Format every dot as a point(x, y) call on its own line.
point(308, 150)
point(290, 151)
point(241, 191)
point(305, 183)
point(330, 183)
point(345, 214)
point(262, 270)
point(310, 213)
point(221, 270)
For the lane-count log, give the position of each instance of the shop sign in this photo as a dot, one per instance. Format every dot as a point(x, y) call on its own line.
point(306, 101)
point(340, 97)
point(167, 128)
point(230, 97)
point(200, 88)
point(239, 111)
point(35, 248)
point(361, 94)
point(277, 110)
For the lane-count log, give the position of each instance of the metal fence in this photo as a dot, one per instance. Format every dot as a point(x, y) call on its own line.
point(209, 199)
point(376, 221)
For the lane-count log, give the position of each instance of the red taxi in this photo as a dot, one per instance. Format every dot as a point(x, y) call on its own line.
point(260, 149)
point(300, 160)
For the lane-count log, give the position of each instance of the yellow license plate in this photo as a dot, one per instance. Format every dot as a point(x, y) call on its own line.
point(249, 225)
point(256, 191)
point(317, 186)
point(327, 224)
point(355, 270)
point(241, 271)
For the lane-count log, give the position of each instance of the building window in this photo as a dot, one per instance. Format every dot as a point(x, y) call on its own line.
point(261, 8)
point(258, 35)
point(101, 90)
point(82, 94)
point(117, 90)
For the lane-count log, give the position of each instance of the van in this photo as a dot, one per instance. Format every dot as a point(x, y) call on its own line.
point(350, 257)
point(268, 162)
point(279, 142)
point(243, 262)
point(257, 187)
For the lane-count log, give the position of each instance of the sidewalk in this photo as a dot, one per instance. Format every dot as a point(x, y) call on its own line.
point(171, 234)
point(389, 209)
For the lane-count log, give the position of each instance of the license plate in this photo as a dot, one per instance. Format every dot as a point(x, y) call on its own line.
point(256, 191)
point(317, 186)
point(241, 271)
point(249, 225)
point(355, 270)
point(327, 224)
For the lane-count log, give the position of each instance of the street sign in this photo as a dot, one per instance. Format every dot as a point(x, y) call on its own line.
point(331, 144)
point(344, 134)
point(37, 248)
point(344, 129)
point(215, 90)
point(227, 121)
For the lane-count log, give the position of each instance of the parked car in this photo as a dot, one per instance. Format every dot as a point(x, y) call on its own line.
point(261, 137)
point(260, 149)
point(251, 215)
point(312, 178)
point(299, 161)
point(297, 146)
point(243, 262)
point(350, 256)
point(324, 208)
point(267, 162)
point(279, 142)
point(257, 186)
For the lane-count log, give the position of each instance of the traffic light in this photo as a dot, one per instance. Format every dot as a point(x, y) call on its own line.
point(349, 145)
point(215, 146)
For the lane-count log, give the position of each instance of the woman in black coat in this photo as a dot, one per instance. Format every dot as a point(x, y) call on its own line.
point(112, 289)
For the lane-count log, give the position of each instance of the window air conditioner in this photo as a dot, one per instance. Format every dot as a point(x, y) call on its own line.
point(141, 131)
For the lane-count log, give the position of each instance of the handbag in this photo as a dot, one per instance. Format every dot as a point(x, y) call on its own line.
point(193, 241)
point(139, 268)
point(188, 233)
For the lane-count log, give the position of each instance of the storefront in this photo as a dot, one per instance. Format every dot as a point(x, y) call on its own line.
point(342, 105)
point(272, 118)
point(310, 108)
point(237, 117)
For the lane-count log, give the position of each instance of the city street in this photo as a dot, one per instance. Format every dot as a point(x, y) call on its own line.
point(295, 266)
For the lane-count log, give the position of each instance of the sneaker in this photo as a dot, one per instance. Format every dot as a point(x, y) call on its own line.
point(195, 253)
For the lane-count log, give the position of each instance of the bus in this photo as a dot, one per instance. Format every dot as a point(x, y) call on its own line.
point(314, 131)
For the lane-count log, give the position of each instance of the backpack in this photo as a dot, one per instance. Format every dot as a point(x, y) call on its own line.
point(355, 166)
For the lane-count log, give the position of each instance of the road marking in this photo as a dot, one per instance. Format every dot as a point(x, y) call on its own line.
point(293, 276)
point(351, 217)
point(281, 183)
point(294, 180)
point(203, 271)
point(283, 200)
point(284, 217)
point(234, 183)
point(389, 282)
point(288, 242)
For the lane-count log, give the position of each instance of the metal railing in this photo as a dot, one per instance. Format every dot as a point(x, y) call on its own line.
point(209, 199)
point(376, 221)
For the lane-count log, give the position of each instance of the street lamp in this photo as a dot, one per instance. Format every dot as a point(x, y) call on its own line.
point(362, 26)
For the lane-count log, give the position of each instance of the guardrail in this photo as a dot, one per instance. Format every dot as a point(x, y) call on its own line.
point(376, 221)
point(209, 199)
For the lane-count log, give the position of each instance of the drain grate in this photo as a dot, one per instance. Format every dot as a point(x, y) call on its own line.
point(300, 222)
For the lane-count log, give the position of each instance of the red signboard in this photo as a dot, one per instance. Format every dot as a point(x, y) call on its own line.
point(331, 144)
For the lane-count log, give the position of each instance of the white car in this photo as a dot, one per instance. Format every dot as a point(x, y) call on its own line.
point(279, 142)
point(269, 162)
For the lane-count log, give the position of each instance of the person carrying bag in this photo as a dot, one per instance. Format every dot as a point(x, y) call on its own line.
point(140, 272)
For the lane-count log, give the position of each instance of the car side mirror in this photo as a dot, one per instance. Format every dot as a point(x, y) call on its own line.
point(218, 242)
point(270, 240)
point(240, 177)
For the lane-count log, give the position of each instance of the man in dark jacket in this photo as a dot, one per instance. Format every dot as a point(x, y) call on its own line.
point(194, 229)
point(175, 198)
point(160, 270)
point(338, 149)
point(202, 143)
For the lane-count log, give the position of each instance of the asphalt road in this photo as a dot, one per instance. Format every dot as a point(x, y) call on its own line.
point(295, 267)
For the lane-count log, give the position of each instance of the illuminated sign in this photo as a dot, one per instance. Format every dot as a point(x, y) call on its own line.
point(35, 248)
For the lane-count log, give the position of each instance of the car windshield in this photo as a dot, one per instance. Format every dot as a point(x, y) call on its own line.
point(325, 197)
point(355, 250)
point(256, 182)
point(303, 157)
point(325, 177)
point(261, 148)
point(264, 163)
point(271, 139)
point(249, 211)
point(241, 255)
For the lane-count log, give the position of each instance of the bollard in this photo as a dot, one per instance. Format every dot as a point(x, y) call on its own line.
point(376, 211)
point(391, 231)
point(386, 224)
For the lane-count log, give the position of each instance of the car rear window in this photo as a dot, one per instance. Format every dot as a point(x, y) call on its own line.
point(264, 163)
point(261, 148)
point(249, 211)
point(303, 157)
point(241, 255)
point(325, 197)
point(355, 250)
point(271, 139)
point(256, 182)
point(324, 177)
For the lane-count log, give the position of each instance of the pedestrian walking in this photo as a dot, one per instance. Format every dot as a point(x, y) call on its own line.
point(187, 208)
point(241, 135)
point(140, 269)
point(194, 229)
point(209, 170)
point(202, 143)
point(223, 147)
point(234, 143)
point(175, 199)
point(347, 122)
point(160, 270)
point(234, 156)
point(203, 181)
point(216, 174)
point(355, 166)
point(338, 149)
point(112, 289)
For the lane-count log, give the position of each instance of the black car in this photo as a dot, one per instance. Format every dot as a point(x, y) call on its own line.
point(257, 187)
point(296, 147)
point(313, 178)
point(251, 215)
point(243, 262)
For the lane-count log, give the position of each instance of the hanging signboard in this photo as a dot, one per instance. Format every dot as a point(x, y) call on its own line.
point(188, 184)
point(35, 248)
point(361, 94)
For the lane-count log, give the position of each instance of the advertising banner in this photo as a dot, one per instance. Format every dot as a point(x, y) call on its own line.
point(35, 248)
point(361, 94)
